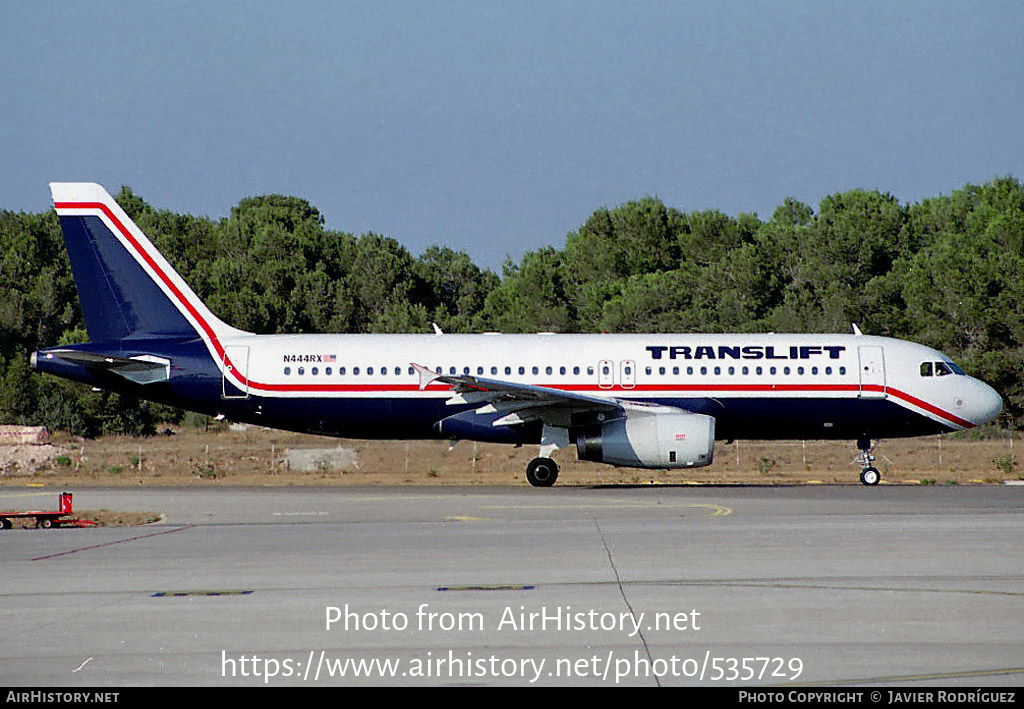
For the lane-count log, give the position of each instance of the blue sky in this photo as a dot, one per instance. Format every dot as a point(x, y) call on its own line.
point(498, 127)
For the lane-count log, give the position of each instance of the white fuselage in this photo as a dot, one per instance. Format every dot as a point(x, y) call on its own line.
point(663, 368)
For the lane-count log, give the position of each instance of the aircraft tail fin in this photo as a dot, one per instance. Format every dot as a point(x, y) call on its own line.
point(126, 287)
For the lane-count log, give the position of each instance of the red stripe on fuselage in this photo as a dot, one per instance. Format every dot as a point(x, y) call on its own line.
point(920, 403)
point(710, 388)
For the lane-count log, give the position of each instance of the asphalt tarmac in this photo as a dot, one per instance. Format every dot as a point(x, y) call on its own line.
point(816, 585)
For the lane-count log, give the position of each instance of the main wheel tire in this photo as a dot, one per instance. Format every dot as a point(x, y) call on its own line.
point(6, 523)
point(870, 476)
point(542, 472)
point(45, 523)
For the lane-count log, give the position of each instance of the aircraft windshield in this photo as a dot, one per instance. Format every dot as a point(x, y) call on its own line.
point(939, 369)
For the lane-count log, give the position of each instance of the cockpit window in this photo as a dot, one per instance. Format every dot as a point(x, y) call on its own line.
point(939, 369)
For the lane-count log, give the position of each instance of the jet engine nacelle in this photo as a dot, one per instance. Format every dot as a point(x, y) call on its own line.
point(664, 439)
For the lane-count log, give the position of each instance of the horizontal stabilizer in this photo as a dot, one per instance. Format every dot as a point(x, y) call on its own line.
point(143, 369)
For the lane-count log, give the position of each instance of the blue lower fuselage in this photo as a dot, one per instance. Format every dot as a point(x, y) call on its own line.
point(196, 383)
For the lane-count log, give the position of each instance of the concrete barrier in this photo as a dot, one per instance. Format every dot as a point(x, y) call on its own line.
point(23, 435)
point(311, 460)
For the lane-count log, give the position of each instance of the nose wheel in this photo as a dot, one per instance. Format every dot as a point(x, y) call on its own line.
point(869, 474)
point(542, 472)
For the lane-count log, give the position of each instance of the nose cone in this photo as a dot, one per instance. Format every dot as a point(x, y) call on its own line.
point(985, 403)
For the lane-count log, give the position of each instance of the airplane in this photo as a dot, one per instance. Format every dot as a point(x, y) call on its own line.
point(644, 401)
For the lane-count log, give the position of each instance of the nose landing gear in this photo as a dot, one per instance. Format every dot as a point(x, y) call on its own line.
point(869, 474)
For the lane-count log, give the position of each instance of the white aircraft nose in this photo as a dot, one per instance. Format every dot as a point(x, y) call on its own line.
point(985, 403)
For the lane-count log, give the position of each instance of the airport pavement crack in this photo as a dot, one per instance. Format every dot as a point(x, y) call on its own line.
point(625, 599)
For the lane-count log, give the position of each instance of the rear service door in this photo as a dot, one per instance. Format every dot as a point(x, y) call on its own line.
point(872, 372)
point(236, 362)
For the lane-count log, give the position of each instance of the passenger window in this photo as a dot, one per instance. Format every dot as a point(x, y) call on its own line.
point(732, 371)
point(718, 370)
point(465, 370)
point(675, 370)
point(661, 371)
point(746, 371)
point(842, 370)
point(369, 371)
point(704, 370)
point(302, 370)
point(590, 371)
point(785, 370)
point(287, 371)
point(814, 370)
point(547, 370)
point(327, 371)
point(479, 370)
point(494, 370)
point(575, 370)
point(508, 370)
point(828, 370)
point(561, 370)
point(648, 371)
point(535, 370)
point(355, 371)
point(760, 371)
point(341, 371)
point(689, 371)
point(772, 370)
point(522, 370)
point(452, 370)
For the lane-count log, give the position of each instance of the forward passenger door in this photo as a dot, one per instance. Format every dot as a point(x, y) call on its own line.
point(872, 372)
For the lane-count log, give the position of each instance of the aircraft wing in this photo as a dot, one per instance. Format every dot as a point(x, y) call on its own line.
point(143, 369)
point(520, 403)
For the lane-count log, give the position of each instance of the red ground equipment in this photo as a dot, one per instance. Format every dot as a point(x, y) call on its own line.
point(47, 519)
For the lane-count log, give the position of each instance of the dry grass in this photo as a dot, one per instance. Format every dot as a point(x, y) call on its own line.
point(257, 457)
point(102, 518)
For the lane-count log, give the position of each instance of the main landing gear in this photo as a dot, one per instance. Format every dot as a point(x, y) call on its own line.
point(542, 472)
point(869, 474)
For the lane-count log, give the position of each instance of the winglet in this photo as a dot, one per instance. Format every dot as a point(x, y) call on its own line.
point(426, 376)
point(437, 330)
point(856, 330)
